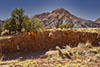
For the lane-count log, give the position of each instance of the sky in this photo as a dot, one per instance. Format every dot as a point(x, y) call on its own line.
point(86, 9)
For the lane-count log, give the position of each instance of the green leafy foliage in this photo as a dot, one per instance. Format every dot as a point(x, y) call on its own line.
point(10, 25)
point(15, 22)
point(33, 24)
point(18, 15)
point(18, 21)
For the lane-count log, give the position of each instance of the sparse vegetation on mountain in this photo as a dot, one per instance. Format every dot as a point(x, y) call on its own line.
point(65, 26)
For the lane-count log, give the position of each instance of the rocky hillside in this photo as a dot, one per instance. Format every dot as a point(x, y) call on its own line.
point(62, 16)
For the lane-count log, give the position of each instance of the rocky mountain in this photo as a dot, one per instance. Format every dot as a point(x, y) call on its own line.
point(62, 16)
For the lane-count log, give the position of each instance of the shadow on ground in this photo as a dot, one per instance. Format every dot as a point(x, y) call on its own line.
point(24, 55)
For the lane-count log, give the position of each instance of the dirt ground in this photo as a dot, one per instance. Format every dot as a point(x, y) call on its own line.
point(80, 56)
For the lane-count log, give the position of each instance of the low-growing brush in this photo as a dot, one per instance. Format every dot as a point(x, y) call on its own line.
point(88, 44)
point(60, 52)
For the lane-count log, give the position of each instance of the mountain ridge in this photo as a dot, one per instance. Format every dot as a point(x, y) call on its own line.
point(62, 16)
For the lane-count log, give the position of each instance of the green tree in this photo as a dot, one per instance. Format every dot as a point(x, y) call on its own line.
point(18, 21)
point(34, 24)
point(10, 24)
point(18, 15)
point(15, 22)
point(25, 22)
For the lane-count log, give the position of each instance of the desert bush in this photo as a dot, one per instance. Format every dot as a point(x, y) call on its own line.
point(33, 24)
point(78, 60)
point(95, 50)
point(79, 52)
point(68, 25)
point(10, 25)
point(5, 32)
point(68, 53)
point(88, 44)
point(93, 60)
point(60, 52)
point(97, 55)
point(59, 65)
point(73, 65)
point(1, 58)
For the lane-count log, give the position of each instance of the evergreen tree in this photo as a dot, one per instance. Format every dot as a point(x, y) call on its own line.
point(18, 15)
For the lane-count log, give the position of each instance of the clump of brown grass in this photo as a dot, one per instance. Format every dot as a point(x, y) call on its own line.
point(1, 58)
point(95, 50)
point(60, 52)
point(88, 44)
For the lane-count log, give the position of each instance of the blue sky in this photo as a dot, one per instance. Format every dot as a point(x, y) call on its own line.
point(87, 9)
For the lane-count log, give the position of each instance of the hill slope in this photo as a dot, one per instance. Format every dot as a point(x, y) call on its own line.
point(62, 16)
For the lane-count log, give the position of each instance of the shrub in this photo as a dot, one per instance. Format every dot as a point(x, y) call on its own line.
point(68, 25)
point(97, 55)
point(33, 24)
point(59, 65)
point(88, 44)
point(67, 53)
point(94, 50)
point(60, 52)
point(10, 25)
point(79, 52)
point(5, 32)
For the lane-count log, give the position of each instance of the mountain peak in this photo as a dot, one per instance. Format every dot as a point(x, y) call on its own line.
point(60, 11)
